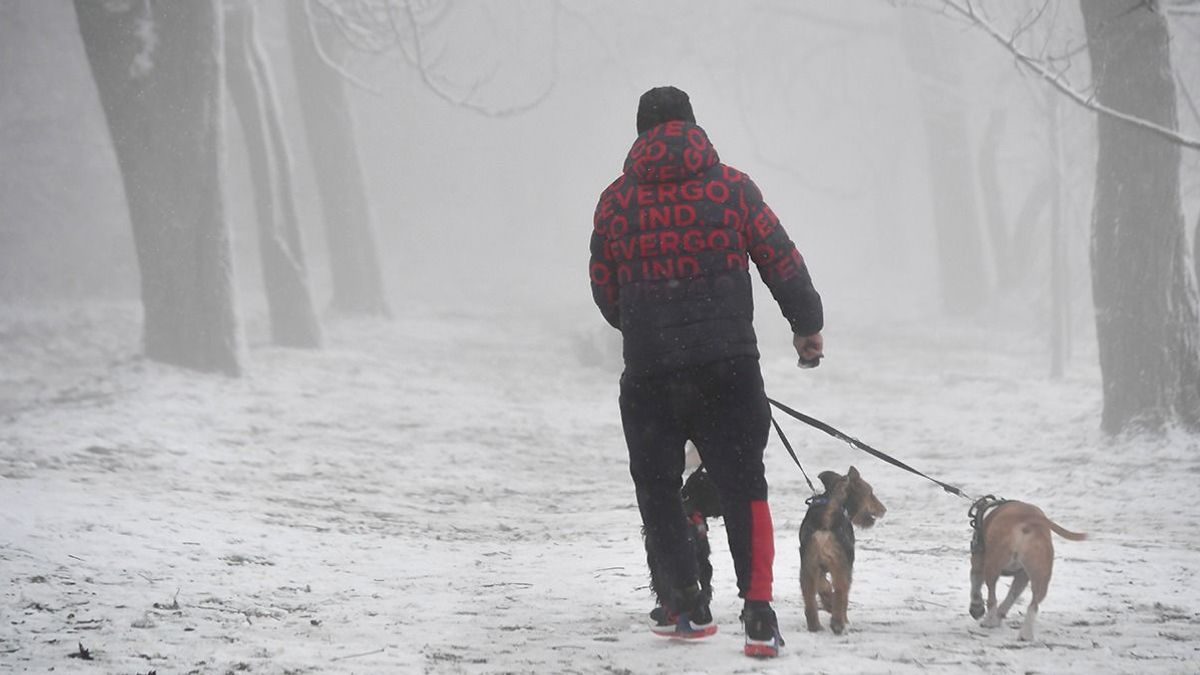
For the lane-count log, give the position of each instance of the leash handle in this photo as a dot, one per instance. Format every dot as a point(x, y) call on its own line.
point(854, 442)
point(792, 452)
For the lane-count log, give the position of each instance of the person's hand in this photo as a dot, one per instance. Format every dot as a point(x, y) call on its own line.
point(810, 349)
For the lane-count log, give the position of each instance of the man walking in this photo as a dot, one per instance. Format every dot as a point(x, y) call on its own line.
point(670, 250)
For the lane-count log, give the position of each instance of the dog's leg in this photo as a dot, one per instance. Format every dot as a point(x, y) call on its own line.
point(810, 576)
point(1019, 582)
point(825, 591)
point(976, 608)
point(992, 618)
point(1031, 613)
point(841, 598)
point(1040, 563)
point(704, 562)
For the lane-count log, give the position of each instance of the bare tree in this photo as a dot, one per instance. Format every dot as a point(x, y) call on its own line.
point(329, 129)
point(1060, 301)
point(1143, 290)
point(1145, 295)
point(1050, 68)
point(252, 90)
point(158, 69)
point(951, 189)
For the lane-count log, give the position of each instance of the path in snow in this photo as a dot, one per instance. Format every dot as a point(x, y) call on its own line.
point(448, 493)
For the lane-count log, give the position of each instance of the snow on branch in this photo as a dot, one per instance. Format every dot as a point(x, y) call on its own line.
point(1058, 79)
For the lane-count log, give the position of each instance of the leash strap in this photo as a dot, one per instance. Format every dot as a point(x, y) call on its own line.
point(792, 452)
point(854, 442)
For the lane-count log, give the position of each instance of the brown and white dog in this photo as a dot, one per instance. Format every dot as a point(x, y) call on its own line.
point(1012, 540)
point(827, 544)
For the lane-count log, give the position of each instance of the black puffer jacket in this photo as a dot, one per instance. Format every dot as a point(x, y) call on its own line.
point(671, 244)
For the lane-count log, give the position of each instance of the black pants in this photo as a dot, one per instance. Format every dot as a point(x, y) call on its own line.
point(722, 408)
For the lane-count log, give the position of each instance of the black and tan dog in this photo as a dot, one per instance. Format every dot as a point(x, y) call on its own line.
point(700, 502)
point(827, 544)
point(1013, 539)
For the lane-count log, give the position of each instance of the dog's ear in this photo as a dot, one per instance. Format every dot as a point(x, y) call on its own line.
point(853, 474)
point(829, 479)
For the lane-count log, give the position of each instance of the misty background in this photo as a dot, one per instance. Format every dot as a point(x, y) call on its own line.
point(300, 369)
point(822, 106)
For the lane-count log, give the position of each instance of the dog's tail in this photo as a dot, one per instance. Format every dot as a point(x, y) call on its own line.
point(1065, 533)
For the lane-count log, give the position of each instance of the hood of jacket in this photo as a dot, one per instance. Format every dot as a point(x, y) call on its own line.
point(671, 152)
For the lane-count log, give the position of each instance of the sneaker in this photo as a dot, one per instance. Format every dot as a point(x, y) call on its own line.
point(693, 625)
point(762, 630)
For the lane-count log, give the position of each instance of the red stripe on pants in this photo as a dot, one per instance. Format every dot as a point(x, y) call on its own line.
point(762, 551)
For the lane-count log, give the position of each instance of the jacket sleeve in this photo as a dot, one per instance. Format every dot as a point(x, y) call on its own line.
point(603, 272)
point(781, 266)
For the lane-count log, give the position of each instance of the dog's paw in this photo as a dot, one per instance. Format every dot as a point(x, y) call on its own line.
point(976, 610)
point(837, 627)
point(815, 628)
point(992, 620)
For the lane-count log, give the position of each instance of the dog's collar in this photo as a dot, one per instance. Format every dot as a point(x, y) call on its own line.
point(823, 500)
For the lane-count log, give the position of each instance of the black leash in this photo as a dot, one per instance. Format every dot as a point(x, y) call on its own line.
point(854, 442)
point(792, 453)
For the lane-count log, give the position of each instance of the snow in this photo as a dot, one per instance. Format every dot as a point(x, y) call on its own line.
point(447, 492)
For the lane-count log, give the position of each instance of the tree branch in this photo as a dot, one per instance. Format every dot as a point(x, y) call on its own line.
point(1058, 81)
point(324, 56)
point(465, 102)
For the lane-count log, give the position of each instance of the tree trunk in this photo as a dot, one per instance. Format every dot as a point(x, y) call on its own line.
point(952, 190)
point(158, 69)
point(329, 129)
point(1145, 297)
point(1060, 305)
point(1024, 230)
point(993, 201)
point(293, 321)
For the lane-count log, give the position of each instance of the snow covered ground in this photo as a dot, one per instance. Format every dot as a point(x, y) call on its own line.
point(447, 492)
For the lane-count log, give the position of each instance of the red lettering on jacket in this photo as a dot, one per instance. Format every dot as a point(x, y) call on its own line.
point(716, 191)
point(669, 242)
point(618, 226)
point(685, 215)
point(654, 218)
point(623, 249)
point(645, 195)
point(600, 274)
point(733, 220)
point(623, 197)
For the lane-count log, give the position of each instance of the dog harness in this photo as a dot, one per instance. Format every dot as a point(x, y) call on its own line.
point(976, 514)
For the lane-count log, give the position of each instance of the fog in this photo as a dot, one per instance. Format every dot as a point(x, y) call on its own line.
point(822, 108)
point(306, 375)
